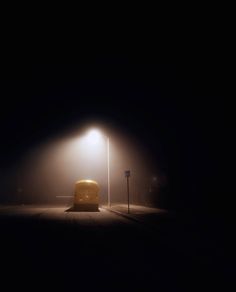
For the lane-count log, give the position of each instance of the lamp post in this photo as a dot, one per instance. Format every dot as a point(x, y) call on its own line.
point(127, 175)
point(108, 174)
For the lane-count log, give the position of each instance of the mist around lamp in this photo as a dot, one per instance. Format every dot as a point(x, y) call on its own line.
point(93, 136)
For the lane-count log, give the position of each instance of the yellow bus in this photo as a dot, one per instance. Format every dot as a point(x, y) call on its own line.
point(86, 196)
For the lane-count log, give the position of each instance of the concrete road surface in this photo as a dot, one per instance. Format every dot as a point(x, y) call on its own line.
point(44, 248)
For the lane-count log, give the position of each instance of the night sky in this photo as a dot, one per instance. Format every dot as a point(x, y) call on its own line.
point(169, 93)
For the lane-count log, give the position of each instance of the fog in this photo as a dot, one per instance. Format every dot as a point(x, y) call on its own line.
point(47, 172)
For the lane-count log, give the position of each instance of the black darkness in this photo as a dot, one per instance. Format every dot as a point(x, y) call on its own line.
point(165, 79)
point(171, 93)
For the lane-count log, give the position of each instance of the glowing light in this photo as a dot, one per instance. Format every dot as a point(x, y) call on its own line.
point(94, 136)
point(87, 181)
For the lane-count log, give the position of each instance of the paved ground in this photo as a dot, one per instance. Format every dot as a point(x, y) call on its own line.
point(44, 247)
point(141, 213)
point(190, 238)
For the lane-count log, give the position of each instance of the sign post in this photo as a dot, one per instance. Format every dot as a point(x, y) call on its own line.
point(127, 175)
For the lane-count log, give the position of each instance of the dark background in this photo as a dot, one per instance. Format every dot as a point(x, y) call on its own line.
point(165, 78)
point(168, 86)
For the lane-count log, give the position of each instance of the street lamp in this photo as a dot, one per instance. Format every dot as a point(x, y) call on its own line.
point(93, 137)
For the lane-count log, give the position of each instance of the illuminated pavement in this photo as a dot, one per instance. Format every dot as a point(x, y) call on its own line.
point(141, 213)
point(89, 251)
